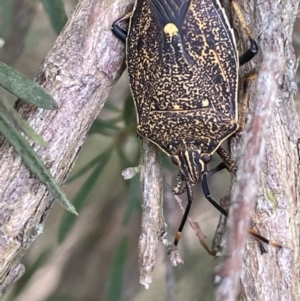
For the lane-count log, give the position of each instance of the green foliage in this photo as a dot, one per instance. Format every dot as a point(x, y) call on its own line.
point(33, 162)
point(106, 128)
point(133, 199)
point(81, 197)
point(25, 88)
point(59, 298)
point(6, 20)
point(7, 110)
point(11, 125)
point(114, 291)
point(129, 113)
point(57, 14)
point(120, 130)
point(41, 259)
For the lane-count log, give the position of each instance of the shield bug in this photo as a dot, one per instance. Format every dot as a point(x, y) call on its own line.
point(183, 64)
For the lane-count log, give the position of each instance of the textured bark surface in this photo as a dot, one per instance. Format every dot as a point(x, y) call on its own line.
point(153, 224)
point(79, 73)
point(268, 174)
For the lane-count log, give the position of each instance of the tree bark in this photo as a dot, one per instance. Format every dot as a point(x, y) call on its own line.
point(268, 168)
point(79, 72)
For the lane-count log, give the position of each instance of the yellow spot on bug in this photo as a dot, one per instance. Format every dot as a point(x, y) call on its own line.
point(170, 29)
point(177, 107)
point(205, 103)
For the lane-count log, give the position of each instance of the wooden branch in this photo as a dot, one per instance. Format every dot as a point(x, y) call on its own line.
point(153, 223)
point(79, 73)
point(268, 174)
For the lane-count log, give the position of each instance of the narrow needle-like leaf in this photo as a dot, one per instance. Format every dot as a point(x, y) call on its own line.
point(25, 88)
point(57, 14)
point(33, 162)
point(11, 114)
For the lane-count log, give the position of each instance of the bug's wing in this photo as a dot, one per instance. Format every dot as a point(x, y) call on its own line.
point(154, 56)
point(197, 59)
point(143, 48)
point(169, 11)
point(181, 56)
point(210, 41)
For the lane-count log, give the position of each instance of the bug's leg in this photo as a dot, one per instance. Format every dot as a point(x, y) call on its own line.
point(252, 51)
point(244, 103)
point(228, 162)
point(208, 196)
point(216, 169)
point(186, 212)
point(117, 30)
point(267, 241)
point(179, 186)
point(249, 54)
point(298, 149)
point(225, 213)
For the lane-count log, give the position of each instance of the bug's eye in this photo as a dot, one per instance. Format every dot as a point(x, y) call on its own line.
point(175, 160)
point(206, 158)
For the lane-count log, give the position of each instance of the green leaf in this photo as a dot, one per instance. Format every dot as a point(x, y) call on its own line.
point(57, 14)
point(133, 197)
point(6, 23)
point(68, 220)
point(30, 271)
point(111, 107)
point(134, 153)
point(129, 112)
point(124, 161)
point(54, 297)
point(11, 114)
point(101, 126)
point(33, 162)
point(25, 88)
point(87, 167)
point(115, 284)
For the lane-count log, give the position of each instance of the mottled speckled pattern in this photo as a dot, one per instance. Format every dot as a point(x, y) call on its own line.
point(183, 70)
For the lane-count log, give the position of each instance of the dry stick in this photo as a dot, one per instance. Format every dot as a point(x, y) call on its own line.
point(153, 224)
point(246, 186)
point(153, 227)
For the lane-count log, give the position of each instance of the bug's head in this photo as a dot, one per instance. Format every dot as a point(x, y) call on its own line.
point(192, 164)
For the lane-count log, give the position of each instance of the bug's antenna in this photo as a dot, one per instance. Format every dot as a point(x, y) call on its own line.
point(208, 196)
point(218, 168)
point(190, 199)
point(186, 212)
